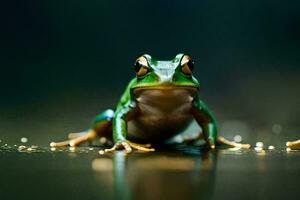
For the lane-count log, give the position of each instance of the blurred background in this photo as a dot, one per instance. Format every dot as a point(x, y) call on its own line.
point(63, 62)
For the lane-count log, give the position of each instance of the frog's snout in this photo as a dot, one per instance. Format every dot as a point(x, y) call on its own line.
point(165, 75)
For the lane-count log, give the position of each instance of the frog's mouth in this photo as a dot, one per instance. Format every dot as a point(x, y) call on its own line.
point(165, 91)
point(166, 86)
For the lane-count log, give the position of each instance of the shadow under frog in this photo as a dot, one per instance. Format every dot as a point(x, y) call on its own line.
point(158, 176)
point(161, 101)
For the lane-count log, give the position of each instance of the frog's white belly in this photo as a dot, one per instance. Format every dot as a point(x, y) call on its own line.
point(162, 113)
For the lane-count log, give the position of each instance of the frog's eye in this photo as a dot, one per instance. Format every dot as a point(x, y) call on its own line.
point(141, 67)
point(187, 65)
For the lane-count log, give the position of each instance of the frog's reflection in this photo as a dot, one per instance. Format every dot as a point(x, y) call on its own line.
point(152, 176)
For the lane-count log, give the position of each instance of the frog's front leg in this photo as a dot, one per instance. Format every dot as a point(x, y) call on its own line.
point(122, 115)
point(293, 144)
point(209, 129)
point(206, 121)
point(100, 126)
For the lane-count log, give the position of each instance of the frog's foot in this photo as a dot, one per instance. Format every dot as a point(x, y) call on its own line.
point(127, 146)
point(293, 144)
point(222, 140)
point(91, 134)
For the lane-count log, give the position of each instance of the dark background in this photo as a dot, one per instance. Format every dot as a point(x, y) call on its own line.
point(62, 62)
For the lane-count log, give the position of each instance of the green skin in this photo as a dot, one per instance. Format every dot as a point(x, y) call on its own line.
point(128, 108)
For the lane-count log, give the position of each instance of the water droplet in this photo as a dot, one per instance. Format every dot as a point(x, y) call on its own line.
point(101, 152)
point(53, 149)
point(91, 148)
point(21, 148)
point(259, 144)
point(72, 148)
point(24, 139)
point(29, 149)
point(258, 148)
point(237, 138)
point(271, 147)
point(52, 144)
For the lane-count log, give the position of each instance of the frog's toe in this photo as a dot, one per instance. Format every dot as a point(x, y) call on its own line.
point(128, 146)
point(293, 144)
point(141, 147)
point(89, 135)
point(118, 146)
point(222, 140)
point(59, 144)
point(63, 143)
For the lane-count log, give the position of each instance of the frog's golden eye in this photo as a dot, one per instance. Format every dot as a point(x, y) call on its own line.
point(141, 67)
point(187, 65)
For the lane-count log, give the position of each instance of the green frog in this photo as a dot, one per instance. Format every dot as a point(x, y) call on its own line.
point(160, 102)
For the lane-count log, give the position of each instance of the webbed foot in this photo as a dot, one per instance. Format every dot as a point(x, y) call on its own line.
point(75, 141)
point(293, 144)
point(128, 146)
point(222, 140)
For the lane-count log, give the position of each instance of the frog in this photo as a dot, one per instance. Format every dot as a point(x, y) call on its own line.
point(160, 102)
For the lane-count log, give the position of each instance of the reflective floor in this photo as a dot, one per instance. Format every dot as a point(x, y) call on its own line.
point(173, 172)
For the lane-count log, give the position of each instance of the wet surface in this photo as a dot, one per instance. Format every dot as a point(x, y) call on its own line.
point(177, 172)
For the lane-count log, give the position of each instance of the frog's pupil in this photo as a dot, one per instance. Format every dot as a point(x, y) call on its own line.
point(190, 64)
point(137, 66)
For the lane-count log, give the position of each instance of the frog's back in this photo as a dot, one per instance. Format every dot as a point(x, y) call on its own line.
point(163, 113)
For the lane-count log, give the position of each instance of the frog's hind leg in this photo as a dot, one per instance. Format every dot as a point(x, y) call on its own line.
point(222, 141)
point(101, 127)
point(82, 137)
point(293, 144)
point(76, 135)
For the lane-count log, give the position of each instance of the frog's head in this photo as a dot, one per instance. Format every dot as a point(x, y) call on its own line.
point(172, 73)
